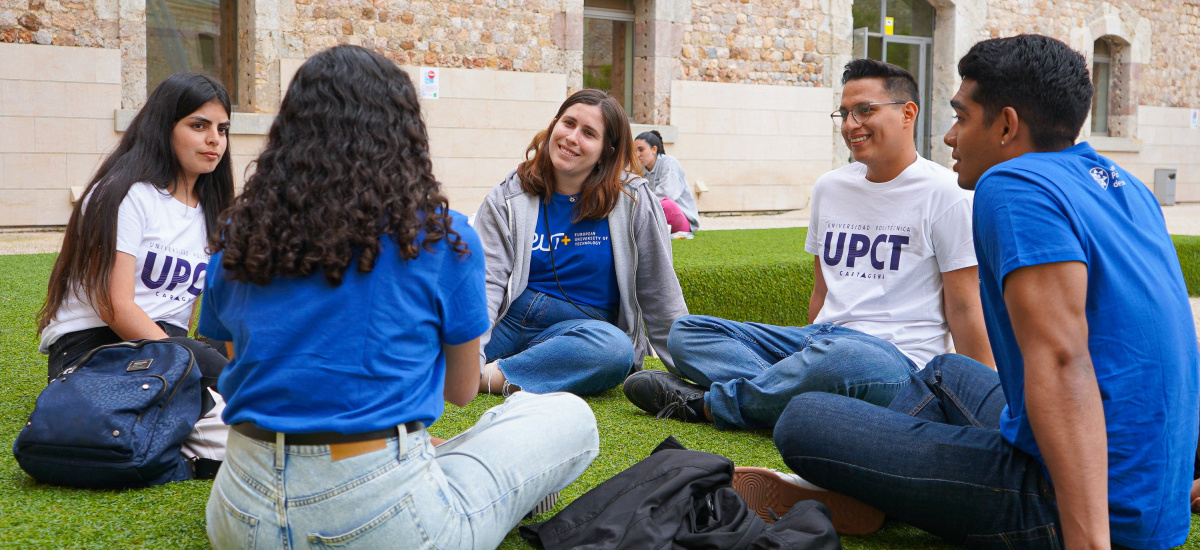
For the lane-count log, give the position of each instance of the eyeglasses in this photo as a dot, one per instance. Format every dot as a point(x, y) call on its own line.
point(860, 112)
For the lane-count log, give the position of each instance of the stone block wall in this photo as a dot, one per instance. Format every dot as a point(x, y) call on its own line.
point(516, 35)
point(756, 42)
point(61, 23)
point(1163, 37)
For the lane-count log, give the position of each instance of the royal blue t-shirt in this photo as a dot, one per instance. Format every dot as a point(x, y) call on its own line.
point(365, 355)
point(582, 255)
point(1076, 205)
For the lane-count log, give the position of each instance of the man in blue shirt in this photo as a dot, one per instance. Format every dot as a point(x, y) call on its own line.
point(1086, 438)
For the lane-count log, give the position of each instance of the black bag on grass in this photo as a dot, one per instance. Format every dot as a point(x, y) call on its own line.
point(115, 419)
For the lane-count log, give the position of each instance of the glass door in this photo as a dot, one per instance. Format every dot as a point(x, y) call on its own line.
point(900, 32)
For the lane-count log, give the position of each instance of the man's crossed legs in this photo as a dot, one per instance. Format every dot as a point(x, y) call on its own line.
point(752, 370)
point(934, 458)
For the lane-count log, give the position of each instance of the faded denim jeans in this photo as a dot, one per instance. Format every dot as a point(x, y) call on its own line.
point(467, 493)
point(753, 370)
point(544, 344)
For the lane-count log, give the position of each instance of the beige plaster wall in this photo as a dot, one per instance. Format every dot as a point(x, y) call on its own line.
point(482, 123)
point(755, 147)
point(56, 123)
point(1167, 141)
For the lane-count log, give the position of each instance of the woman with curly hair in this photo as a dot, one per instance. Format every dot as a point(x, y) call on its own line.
point(354, 299)
point(133, 256)
point(580, 283)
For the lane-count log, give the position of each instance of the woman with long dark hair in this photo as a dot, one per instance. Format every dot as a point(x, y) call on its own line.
point(354, 299)
point(134, 254)
point(580, 279)
point(668, 182)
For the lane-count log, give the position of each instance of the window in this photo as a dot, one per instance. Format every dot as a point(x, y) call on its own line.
point(608, 49)
point(1102, 80)
point(191, 35)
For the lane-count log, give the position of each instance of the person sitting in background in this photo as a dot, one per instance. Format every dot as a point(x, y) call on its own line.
point(668, 182)
point(355, 299)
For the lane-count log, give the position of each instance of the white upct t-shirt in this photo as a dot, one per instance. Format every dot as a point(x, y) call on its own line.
point(168, 239)
point(883, 248)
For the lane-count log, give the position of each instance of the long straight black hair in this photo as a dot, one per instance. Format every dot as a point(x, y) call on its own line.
point(144, 154)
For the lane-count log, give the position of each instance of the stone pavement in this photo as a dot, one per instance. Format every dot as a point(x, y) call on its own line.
point(1182, 219)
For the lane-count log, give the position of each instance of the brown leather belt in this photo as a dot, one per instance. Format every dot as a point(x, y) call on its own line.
point(341, 446)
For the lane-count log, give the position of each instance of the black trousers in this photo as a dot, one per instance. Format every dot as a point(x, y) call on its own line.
point(69, 348)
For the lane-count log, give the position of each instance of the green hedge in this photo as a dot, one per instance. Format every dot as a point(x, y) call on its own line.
point(1188, 248)
point(760, 275)
point(765, 275)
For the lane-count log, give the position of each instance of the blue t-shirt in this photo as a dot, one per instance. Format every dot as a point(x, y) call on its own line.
point(1076, 205)
point(582, 256)
point(365, 355)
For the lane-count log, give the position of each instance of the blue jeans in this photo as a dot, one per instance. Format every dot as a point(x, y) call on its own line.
point(752, 370)
point(934, 458)
point(545, 344)
point(467, 493)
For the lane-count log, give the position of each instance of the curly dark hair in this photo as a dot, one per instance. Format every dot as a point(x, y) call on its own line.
point(1046, 81)
point(346, 162)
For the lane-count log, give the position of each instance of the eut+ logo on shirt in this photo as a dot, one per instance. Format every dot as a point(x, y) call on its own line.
point(542, 244)
point(856, 251)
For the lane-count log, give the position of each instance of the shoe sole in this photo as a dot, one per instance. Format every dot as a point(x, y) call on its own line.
point(764, 491)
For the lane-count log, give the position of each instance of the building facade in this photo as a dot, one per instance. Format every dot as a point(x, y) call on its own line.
point(741, 90)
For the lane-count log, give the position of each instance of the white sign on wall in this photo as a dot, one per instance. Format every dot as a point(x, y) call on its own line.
point(429, 83)
point(1195, 119)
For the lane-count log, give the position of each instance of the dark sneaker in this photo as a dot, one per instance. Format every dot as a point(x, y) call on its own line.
point(664, 395)
point(770, 494)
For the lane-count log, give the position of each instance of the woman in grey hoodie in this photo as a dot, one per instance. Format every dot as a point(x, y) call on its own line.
point(580, 283)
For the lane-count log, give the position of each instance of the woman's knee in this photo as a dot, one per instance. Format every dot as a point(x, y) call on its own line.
point(610, 345)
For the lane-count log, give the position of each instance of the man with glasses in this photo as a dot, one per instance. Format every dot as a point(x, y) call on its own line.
point(1085, 436)
point(894, 279)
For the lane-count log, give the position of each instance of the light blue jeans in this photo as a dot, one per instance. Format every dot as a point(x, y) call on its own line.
point(467, 493)
point(753, 370)
point(544, 344)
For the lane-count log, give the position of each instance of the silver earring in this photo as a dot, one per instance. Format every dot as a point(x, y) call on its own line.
point(1002, 143)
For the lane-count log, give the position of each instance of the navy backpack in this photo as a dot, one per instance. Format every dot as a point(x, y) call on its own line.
point(117, 418)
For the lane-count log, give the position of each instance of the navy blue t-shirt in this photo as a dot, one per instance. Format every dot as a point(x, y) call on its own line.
point(362, 356)
point(582, 256)
point(1077, 206)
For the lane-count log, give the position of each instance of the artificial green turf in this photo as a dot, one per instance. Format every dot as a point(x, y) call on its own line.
point(172, 515)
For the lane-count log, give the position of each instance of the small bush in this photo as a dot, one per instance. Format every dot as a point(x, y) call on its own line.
point(1188, 249)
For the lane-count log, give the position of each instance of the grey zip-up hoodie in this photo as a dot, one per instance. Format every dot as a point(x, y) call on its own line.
point(641, 247)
